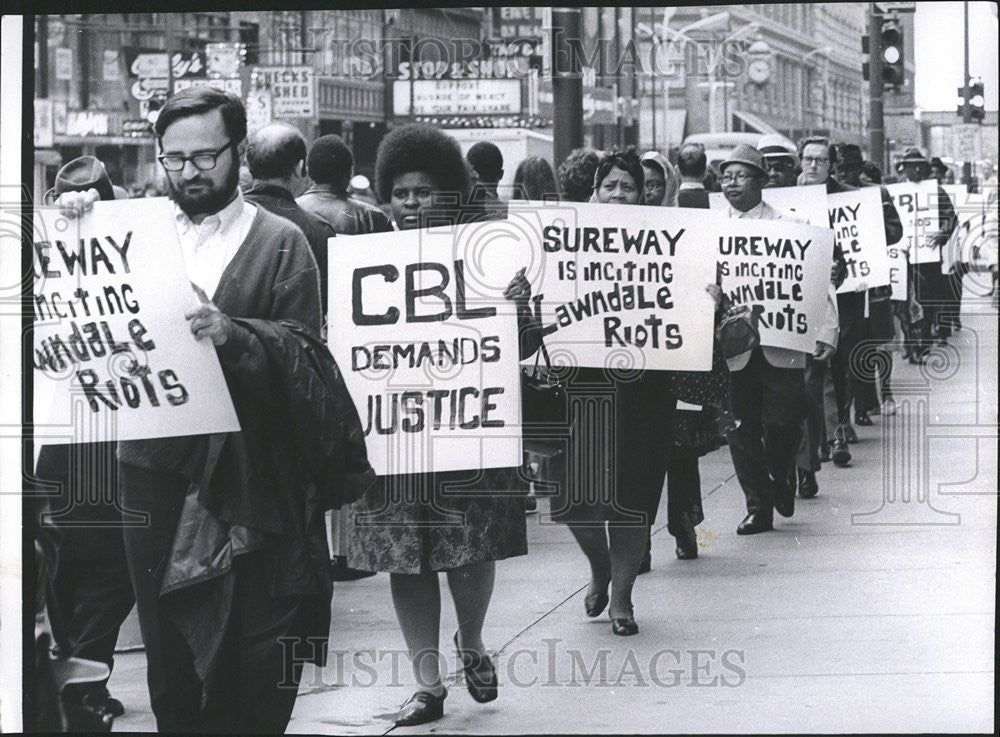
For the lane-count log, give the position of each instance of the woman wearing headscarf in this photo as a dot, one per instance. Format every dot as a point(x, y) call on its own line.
point(661, 180)
point(684, 508)
point(420, 171)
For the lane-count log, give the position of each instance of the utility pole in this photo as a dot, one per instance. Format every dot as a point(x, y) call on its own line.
point(876, 85)
point(967, 108)
point(567, 83)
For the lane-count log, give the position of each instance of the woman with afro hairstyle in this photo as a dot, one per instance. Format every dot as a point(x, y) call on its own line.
point(421, 173)
point(459, 522)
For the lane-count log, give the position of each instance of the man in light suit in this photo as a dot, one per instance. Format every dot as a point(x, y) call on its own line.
point(764, 447)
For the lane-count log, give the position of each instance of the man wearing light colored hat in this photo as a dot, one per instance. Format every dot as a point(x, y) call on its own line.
point(780, 158)
point(763, 379)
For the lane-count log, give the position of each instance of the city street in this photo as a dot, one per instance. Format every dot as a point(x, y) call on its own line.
point(871, 610)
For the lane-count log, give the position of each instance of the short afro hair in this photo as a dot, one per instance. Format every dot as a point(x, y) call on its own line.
point(330, 161)
point(487, 160)
point(423, 148)
point(576, 174)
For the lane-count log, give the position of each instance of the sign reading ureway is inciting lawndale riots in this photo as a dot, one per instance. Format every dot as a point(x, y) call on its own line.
point(114, 358)
point(428, 350)
point(782, 270)
point(859, 229)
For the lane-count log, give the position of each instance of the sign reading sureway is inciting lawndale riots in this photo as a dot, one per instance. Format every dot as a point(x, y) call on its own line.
point(114, 358)
point(620, 287)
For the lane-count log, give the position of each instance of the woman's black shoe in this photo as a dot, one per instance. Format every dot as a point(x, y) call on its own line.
point(624, 626)
point(421, 708)
point(480, 675)
point(594, 604)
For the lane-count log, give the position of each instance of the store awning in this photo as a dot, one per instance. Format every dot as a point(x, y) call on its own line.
point(753, 123)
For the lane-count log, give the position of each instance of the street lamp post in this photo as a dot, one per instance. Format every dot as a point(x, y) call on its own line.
point(824, 72)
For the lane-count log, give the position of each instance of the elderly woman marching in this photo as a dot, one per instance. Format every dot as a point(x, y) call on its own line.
point(416, 526)
point(615, 469)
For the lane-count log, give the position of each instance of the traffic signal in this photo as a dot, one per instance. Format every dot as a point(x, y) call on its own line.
point(891, 48)
point(977, 102)
point(973, 98)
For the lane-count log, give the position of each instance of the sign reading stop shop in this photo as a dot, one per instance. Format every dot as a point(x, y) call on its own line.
point(292, 90)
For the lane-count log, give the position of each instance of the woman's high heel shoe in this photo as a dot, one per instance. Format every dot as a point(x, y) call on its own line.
point(624, 626)
point(594, 604)
point(480, 675)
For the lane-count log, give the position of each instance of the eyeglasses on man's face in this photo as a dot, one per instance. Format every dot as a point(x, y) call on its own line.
point(202, 161)
point(738, 178)
point(815, 160)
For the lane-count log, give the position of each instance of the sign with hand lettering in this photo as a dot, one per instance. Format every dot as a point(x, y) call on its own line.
point(114, 358)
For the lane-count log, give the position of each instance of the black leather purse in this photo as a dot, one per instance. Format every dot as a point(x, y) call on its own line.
point(545, 416)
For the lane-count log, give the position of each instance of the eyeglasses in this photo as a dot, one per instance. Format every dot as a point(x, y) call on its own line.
point(202, 162)
point(739, 178)
point(780, 165)
point(807, 160)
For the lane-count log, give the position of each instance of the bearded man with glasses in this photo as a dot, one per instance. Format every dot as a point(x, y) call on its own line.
point(228, 572)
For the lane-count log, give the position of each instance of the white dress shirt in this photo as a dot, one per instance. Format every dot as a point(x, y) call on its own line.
point(209, 246)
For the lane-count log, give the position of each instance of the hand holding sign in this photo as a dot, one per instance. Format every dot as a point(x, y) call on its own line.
point(519, 289)
point(206, 320)
point(73, 205)
point(823, 351)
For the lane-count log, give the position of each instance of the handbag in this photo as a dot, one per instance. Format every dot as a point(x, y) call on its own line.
point(545, 416)
point(697, 431)
point(737, 331)
point(702, 387)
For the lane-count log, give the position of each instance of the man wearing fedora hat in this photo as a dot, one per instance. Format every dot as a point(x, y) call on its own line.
point(930, 286)
point(770, 433)
point(781, 159)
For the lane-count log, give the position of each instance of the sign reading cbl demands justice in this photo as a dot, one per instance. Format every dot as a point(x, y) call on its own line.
point(429, 356)
point(859, 229)
point(904, 197)
point(114, 358)
point(782, 270)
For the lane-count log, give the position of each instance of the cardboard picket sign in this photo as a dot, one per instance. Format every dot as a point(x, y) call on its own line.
point(621, 287)
point(924, 250)
point(904, 197)
point(419, 315)
point(807, 202)
point(859, 228)
point(114, 358)
point(782, 270)
point(428, 352)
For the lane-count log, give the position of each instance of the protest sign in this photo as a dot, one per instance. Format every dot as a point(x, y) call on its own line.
point(114, 358)
point(927, 226)
point(904, 197)
point(782, 270)
point(620, 287)
point(807, 202)
point(859, 229)
point(974, 240)
point(428, 351)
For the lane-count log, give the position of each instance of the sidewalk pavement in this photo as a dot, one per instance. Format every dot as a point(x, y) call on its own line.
point(871, 610)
